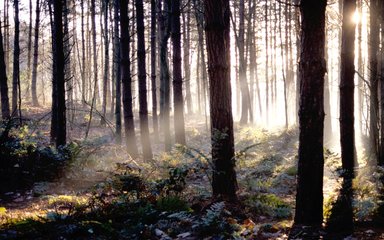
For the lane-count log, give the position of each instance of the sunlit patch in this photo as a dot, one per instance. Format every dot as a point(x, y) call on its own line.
point(356, 18)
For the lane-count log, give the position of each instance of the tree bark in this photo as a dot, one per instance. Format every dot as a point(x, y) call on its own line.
point(224, 183)
point(186, 59)
point(58, 119)
point(35, 100)
point(155, 121)
point(5, 111)
point(309, 198)
point(117, 70)
point(142, 76)
point(178, 100)
point(16, 61)
point(347, 129)
point(129, 124)
point(164, 22)
point(373, 46)
point(29, 46)
point(106, 62)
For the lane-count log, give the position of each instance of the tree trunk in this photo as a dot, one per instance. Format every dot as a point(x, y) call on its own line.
point(224, 183)
point(186, 60)
point(178, 100)
point(117, 72)
point(344, 221)
point(245, 98)
point(155, 121)
point(309, 198)
point(16, 61)
point(266, 63)
point(373, 46)
point(5, 111)
point(164, 21)
point(129, 124)
point(29, 45)
point(106, 62)
point(35, 100)
point(142, 76)
point(58, 120)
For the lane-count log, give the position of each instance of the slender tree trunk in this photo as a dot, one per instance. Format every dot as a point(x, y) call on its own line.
point(245, 98)
point(360, 69)
point(155, 121)
point(309, 198)
point(127, 80)
point(117, 72)
point(142, 76)
point(224, 183)
point(373, 79)
point(164, 21)
point(5, 111)
point(35, 101)
point(29, 58)
point(266, 63)
point(347, 129)
point(381, 158)
point(16, 61)
point(186, 49)
point(106, 62)
point(178, 100)
point(58, 120)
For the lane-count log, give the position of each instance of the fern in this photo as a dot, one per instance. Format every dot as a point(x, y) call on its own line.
point(182, 216)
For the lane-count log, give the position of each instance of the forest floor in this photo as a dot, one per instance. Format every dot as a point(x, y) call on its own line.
point(105, 194)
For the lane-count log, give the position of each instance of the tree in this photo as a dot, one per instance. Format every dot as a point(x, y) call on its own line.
point(5, 111)
point(35, 101)
point(217, 13)
point(16, 61)
point(105, 4)
point(165, 28)
point(186, 57)
point(29, 42)
point(245, 97)
point(116, 69)
point(58, 90)
point(177, 75)
point(129, 125)
point(344, 222)
point(309, 197)
point(155, 121)
point(373, 46)
point(142, 74)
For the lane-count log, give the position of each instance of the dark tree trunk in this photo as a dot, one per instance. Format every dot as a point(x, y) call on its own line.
point(126, 79)
point(117, 72)
point(381, 158)
point(83, 51)
point(373, 46)
point(178, 100)
point(5, 111)
point(224, 183)
point(245, 98)
point(106, 62)
point(164, 22)
point(344, 221)
point(142, 76)
point(35, 101)
point(58, 119)
point(16, 61)
point(155, 121)
point(186, 60)
point(95, 69)
point(309, 198)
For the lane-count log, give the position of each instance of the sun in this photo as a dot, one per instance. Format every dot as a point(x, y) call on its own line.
point(356, 18)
